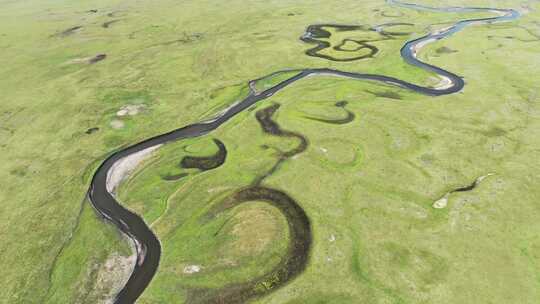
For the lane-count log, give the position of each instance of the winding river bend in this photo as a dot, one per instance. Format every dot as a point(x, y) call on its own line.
point(148, 247)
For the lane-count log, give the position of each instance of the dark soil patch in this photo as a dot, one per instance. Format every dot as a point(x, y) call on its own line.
point(92, 130)
point(97, 58)
point(109, 23)
point(68, 32)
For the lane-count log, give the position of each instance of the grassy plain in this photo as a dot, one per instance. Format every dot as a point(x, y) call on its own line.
point(367, 186)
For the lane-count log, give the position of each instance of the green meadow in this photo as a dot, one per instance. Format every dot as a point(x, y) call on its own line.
point(81, 79)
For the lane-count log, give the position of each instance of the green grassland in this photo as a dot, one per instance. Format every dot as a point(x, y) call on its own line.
point(367, 186)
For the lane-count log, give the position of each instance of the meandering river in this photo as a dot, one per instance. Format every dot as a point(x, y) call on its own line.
point(148, 247)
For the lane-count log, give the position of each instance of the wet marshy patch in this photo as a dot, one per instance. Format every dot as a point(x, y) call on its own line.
point(68, 32)
point(86, 60)
point(445, 50)
point(394, 29)
point(349, 116)
point(205, 163)
point(174, 177)
point(91, 130)
point(352, 45)
point(97, 58)
point(108, 24)
point(195, 157)
point(292, 263)
point(353, 42)
point(295, 260)
point(348, 49)
point(292, 14)
point(386, 94)
point(269, 126)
